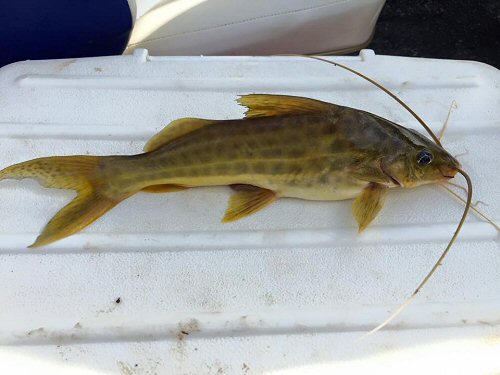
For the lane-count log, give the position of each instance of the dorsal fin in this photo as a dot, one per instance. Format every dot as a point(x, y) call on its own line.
point(174, 130)
point(263, 105)
point(259, 105)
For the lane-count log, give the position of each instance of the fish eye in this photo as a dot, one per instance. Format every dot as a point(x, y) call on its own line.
point(424, 157)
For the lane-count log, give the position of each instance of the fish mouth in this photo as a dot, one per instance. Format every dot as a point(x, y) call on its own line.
point(448, 172)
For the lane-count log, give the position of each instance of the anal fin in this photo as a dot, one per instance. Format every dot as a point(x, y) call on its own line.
point(368, 204)
point(165, 188)
point(247, 200)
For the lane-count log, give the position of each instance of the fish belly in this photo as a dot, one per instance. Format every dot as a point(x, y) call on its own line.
point(330, 186)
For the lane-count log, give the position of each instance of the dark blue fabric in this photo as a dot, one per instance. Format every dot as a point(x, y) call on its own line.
point(50, 29)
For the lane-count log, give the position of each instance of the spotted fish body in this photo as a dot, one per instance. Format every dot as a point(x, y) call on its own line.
point(284, 147)
point(312, 156)
point(301, 156)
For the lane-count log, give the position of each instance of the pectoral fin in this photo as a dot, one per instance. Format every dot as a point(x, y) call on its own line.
point(247, 200)
point(368, 204)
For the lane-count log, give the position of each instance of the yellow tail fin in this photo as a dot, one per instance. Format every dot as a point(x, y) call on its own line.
point(79, 173)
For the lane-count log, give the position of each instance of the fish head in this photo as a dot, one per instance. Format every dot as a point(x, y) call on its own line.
point(419, 162)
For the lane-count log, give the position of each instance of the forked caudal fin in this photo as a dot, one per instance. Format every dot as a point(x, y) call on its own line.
point(67, 172)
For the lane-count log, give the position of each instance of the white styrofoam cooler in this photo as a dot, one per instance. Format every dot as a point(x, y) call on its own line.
point(287, 290)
